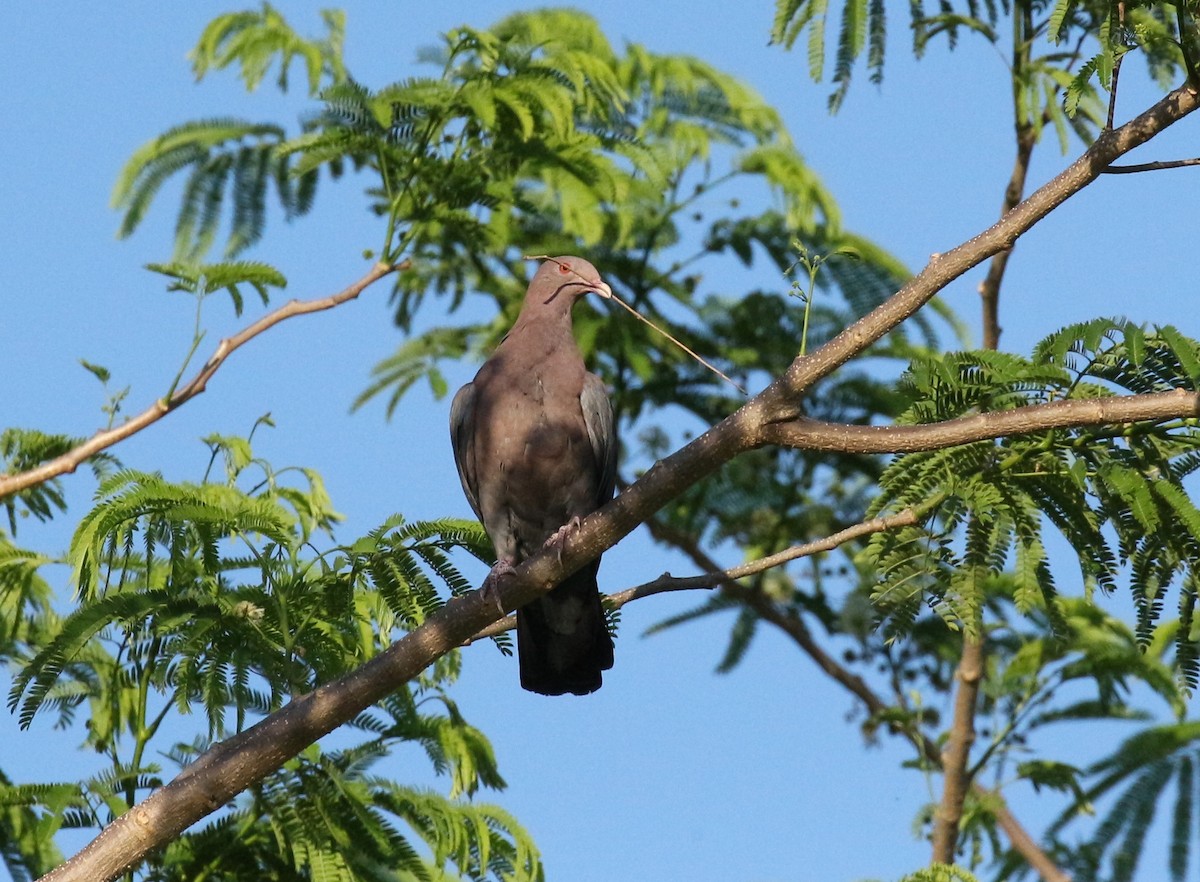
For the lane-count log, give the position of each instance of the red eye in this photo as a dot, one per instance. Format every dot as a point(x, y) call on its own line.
point(563, 268)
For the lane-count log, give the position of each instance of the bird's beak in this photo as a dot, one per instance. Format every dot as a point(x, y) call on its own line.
point(602, 289)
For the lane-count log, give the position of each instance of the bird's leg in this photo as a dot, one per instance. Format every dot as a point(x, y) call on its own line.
point(491, 584)
point(558, 539)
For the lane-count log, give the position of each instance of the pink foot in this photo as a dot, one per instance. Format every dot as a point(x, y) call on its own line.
point(491, 585)
point(558, 539)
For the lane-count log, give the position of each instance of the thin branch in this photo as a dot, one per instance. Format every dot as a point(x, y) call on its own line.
point(989, 288)
point(790, 623)
point(1022, 843)
point(1026, 137)
point(227, 768)
point(710, 579)
point(1116, 74)
point(1150, 166)
point(809, 434)
point(714, 577)
point(786, 620)
point(73, 458)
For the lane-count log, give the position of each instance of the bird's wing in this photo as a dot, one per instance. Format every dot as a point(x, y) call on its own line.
point(598, 418)
point(462, 438)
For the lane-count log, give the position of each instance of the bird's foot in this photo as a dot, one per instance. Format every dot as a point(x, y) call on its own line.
point(491, 584)
point(558, 539)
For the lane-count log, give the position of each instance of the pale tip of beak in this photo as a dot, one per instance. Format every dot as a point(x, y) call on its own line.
point(602, 289)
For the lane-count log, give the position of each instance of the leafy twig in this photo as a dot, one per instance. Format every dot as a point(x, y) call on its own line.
point(69, 461)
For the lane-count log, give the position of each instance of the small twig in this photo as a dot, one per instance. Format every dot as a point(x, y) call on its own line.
point(1150, 166)
point(105, 439)
point(1112, 93)
point(698, 358)
point(609, 295)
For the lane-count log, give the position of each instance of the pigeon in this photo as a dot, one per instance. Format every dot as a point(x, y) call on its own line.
point(536, 452)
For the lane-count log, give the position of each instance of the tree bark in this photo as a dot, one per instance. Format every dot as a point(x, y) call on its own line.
point(957, 756)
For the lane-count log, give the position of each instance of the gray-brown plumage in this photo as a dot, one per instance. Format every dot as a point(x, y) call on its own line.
point(536, 451)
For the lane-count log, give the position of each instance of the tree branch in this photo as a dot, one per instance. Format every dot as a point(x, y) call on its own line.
point(944, 268)
point(228, 768)
point(956, 778)
point(810, 434)
point(1150, 166)
point(102, 440)
point(1026, 137)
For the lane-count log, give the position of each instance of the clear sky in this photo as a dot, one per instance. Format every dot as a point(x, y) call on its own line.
point(669, 772)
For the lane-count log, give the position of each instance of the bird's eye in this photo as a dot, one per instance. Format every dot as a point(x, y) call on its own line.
point(563, 268)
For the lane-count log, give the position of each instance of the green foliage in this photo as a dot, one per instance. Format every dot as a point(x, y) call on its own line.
point(203, 279)
point(535, 136)
point(414, 360)
point(22, 450)
point(283, 825)
point(941, 873)
point(256, 40)
point(211, 596)
point(24, 595)
point(1114, 493)
point(230, 161)
point(1056, 87)
point(1137, 778)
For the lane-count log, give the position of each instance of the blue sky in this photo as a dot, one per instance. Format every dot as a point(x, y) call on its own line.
point(757, 775)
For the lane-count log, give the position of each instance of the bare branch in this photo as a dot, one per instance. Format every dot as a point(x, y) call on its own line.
point(1075, 413)
point(1150, 166)
point(1024, 844)
point(102, 440)
point(714, 577)
point(956, 778)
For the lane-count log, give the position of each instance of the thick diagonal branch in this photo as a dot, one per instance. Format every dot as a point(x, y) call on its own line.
point(228, 768)
point(944, 268)
point(103, 440)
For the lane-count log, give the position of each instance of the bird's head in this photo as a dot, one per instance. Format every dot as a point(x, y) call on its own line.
point(569, 276)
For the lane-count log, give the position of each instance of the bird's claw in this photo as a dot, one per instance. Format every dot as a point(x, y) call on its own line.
point(558, 539)
point(490, 590)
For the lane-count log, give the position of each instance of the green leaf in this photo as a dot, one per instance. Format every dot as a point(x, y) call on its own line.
point(100, 372)
point(204, 278)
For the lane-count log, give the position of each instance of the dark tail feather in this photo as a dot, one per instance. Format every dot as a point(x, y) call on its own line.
point(562, 643)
